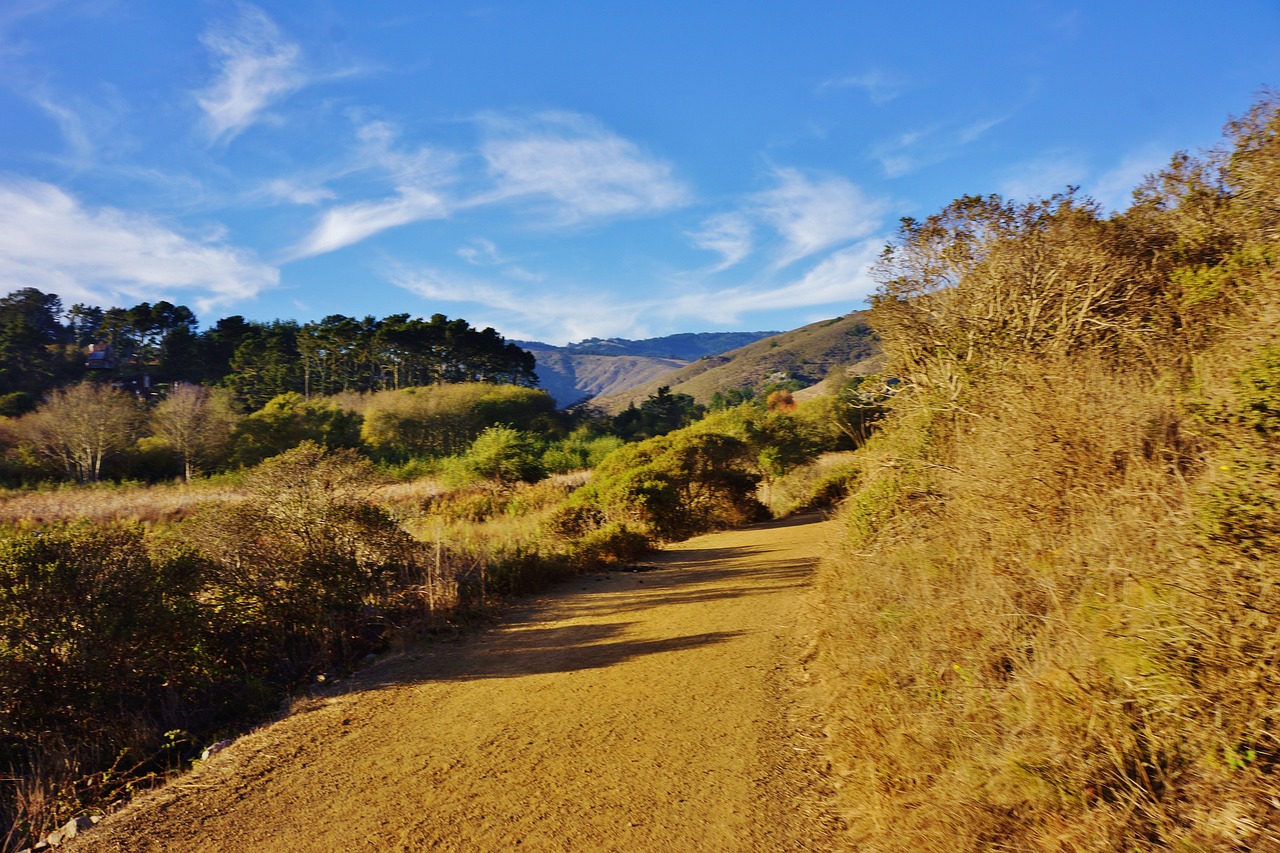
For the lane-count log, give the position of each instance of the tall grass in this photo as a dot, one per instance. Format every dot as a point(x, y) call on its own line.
point(1054, 626)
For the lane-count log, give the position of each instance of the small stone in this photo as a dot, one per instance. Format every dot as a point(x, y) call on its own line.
point(215, 749)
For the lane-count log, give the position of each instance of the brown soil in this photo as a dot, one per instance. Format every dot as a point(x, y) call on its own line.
point(652, 710)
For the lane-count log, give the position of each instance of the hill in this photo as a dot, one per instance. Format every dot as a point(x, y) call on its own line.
point(807, 355)
point(607, 366)
point(688, 346)
point(571, 377)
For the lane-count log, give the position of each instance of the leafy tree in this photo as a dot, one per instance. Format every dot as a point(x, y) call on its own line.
point(79, 427)
point(660, 414)
point(266, 363)
point(675, 486)
point(443, 420)
point(505, 454)
point(287, 421)
point(29, 334)
point(196, 423)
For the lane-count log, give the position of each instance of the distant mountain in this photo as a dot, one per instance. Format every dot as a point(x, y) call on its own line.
point(807, 354)
point(688, 346)
point(607, 366)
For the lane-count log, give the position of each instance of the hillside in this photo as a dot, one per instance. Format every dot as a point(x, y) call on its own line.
point(608, 366)
point(806, 354)
point(571, 377)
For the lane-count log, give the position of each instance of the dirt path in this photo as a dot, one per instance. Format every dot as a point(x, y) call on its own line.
point(639, 711)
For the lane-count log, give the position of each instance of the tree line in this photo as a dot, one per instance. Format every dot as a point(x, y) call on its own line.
point(43, 347)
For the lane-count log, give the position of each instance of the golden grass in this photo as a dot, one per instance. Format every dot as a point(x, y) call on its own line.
point(103, 503)
point(1028, 647)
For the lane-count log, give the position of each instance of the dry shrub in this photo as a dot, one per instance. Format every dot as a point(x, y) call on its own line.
point(1039, 652)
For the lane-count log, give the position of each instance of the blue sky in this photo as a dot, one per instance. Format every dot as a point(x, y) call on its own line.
point(561, 170)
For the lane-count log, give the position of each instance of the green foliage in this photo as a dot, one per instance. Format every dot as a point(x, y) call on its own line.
point(16, 404)
point(443, 420)
point(506, 455)
point(677, 485)
point(287, 421)
point(660, 414)
point(609, 545)
point(581, 449)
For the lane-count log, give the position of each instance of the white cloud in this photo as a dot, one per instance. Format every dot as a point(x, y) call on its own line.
point(916, 149)
point(1114, 188)
point(881, 87)
point(282, 190)
point(50, 241)
point(554, 318)
point(417, 177)
point(840, 279)
point(1042, 177)
point(577, 168)
point(257, 66)
point(812, 214)
point(350, 223)
point(480, 252)
point(728, 235)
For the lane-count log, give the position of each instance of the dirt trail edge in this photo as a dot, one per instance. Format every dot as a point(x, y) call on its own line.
point(653, 710)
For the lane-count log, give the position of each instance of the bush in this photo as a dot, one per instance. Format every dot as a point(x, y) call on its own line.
point(506, 455)
point(676, 485)
point(609, 545)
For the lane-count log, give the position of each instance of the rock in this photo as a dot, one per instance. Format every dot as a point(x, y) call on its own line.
point(215, 749)
point(73, 827)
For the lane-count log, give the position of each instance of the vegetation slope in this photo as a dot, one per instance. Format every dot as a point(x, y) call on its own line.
point(1054, 625)
point(801, 357)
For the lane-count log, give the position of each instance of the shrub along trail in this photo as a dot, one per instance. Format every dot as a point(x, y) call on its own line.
point(661, 710)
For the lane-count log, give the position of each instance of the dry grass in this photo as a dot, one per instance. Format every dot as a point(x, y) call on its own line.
point(103, 503)
point(1029, 646)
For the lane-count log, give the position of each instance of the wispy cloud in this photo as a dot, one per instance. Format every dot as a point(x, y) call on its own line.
point(290, 192)
point(1043, 176)
point(726, 234)
point(1114, 188)
point(880, 86)
point(350, 223)
point(417, 176)
point(50, 241)
point(574, 170)
point(480, 252)
point(556, 318)
point(914, 150)
point(841, 279)
point(812, 213)
point(257, 66)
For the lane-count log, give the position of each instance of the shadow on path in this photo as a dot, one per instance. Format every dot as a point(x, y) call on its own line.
point(523, 643)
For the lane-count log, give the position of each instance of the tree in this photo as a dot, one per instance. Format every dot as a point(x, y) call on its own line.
point(660, 414)
point(80, 427)
point(29, 333)
point(196, 423)
point(288, 420)
point(505, 454)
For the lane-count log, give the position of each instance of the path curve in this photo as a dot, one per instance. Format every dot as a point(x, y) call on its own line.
point(657, 710)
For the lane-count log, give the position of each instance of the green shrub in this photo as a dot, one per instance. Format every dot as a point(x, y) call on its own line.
point(609, 545)
point(677, 485)
point(505, 454)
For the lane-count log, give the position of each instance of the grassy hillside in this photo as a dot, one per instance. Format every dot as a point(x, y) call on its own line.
point(807, 354)
point(1054, 622)
point(570, 377)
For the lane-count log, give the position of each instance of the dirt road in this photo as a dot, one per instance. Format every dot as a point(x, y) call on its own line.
point(656, 710)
